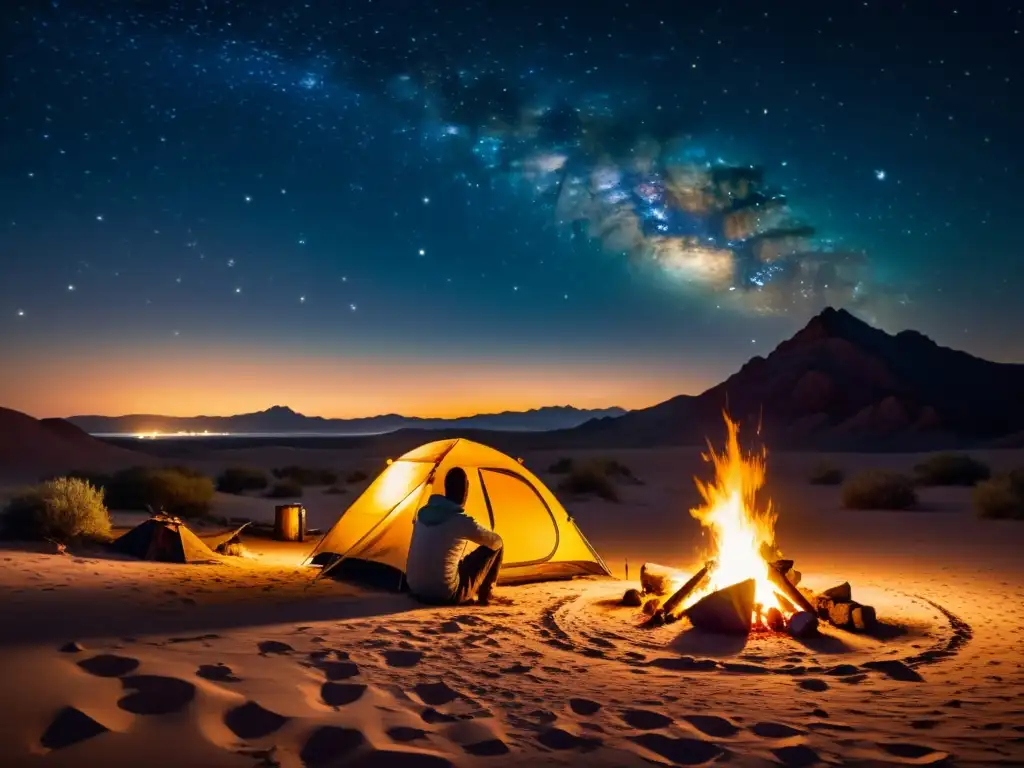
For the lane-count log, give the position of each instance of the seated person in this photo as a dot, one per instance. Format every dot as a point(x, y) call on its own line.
point(436, 571)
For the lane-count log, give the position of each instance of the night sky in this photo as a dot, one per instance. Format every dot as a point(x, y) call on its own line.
point(450, 207)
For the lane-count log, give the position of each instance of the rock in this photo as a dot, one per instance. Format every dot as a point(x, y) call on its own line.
point(839, 594)
point(632, 598)
point(864, 618)
point(652, 605)
point(803, 624)
point(774, 621)
point(727, 610)
point(822, 605)
point(841, 615)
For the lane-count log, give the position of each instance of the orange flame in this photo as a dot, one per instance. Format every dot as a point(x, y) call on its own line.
point(739, 529)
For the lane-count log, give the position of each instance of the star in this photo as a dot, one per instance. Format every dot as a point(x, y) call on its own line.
point(302, 299)
point(238, 290)
point(352, 307)
point(21, 313)
point(344, 279)
point(248, 198)
point(99, 217)
point(71, 287)
point(231, 262)
point(302, 241)
point(284, 191)
point(422, 252)
point(880, 174)
point(426, 201)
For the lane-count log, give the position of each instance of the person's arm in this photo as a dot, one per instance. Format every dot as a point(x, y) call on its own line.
point(471, 530)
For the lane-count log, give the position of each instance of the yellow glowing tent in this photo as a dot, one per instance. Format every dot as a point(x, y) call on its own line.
point(541, 540)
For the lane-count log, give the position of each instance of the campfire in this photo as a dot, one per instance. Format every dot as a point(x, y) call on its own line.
point(746, 584)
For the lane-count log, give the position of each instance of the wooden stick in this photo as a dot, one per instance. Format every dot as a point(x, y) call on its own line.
point(659, 579)
point(786, 587)
point(671, 606)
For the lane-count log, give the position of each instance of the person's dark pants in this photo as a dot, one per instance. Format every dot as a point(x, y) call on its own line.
point(477, 573)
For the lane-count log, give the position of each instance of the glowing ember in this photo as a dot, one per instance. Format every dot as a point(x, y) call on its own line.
point(739, 530)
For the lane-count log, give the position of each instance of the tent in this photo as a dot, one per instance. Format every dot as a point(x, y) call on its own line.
point(166, 539)
point(542, 541)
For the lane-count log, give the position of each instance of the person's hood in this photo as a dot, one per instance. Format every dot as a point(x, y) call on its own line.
point(437, 510)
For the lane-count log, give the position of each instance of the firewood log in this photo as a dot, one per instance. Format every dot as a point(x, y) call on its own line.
point(659, 579)
point(786, 588)
point(673, 604)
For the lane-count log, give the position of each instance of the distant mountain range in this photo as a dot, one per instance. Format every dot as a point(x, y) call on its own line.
point(283, 420)
point(840, 383)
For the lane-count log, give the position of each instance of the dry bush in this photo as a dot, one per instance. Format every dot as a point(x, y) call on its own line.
point(879, 489)
point(285, 489)
point(951, 469)
point(1002, 497)
point(178, 491)
point(238, 480)
point(590, 479)
point(561, 467)
point(825, 473)
point(62, 509)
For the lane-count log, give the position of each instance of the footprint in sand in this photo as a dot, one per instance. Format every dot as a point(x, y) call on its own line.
point(813, 684)
point(645, 719)
point(774, 731)
point(918, 753)
point(156, 695)
point(70, 726)
point(402, 659)
point(799, 756)
point(711, 725)
point(109, 665)
point(329, 744)
point(556, 738)
point(338, 670)
point(489, 748)
point(220, 673)
point(682, 751)
point(436, 694)
point(842, 670)
point(897, 670)
point(516, 669)
point(341, 694)
point(72, 647)
point(273, 646)
point(432, 716)
point(584, 707)
point(251, 721)
point(387, 758)
point(451, 627)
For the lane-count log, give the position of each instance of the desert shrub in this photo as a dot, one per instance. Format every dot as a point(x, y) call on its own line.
point(306, 475)
point(590, 479)
point(175, 490)
point(241, 479)
point(824, 473)
point(951, 469)
point(1001, 497)
point(61, 509)
point(285, 489)
point(335, 490)
point(356, 476)
point(879, 489)
point(561, 467)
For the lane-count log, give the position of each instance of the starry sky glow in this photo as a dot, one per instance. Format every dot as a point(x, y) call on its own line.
point(443, 208)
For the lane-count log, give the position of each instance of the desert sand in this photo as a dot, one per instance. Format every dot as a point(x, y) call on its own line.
point(113, 662)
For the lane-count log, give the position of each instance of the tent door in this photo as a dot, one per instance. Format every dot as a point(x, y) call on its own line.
point(521, 517)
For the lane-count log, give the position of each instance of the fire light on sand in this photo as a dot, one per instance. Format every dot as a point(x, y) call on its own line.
point(740, 531)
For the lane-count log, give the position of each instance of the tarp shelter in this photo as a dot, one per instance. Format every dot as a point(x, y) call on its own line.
point(165, 539)
point(541, 540)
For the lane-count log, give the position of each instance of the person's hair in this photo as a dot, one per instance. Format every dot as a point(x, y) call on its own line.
point(456, 485)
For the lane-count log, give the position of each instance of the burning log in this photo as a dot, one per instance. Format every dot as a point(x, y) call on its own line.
point(727, 610)
point(842, 593)
point(659, 579)
point(789, 590)
point(671, 606)
point(774, 621)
